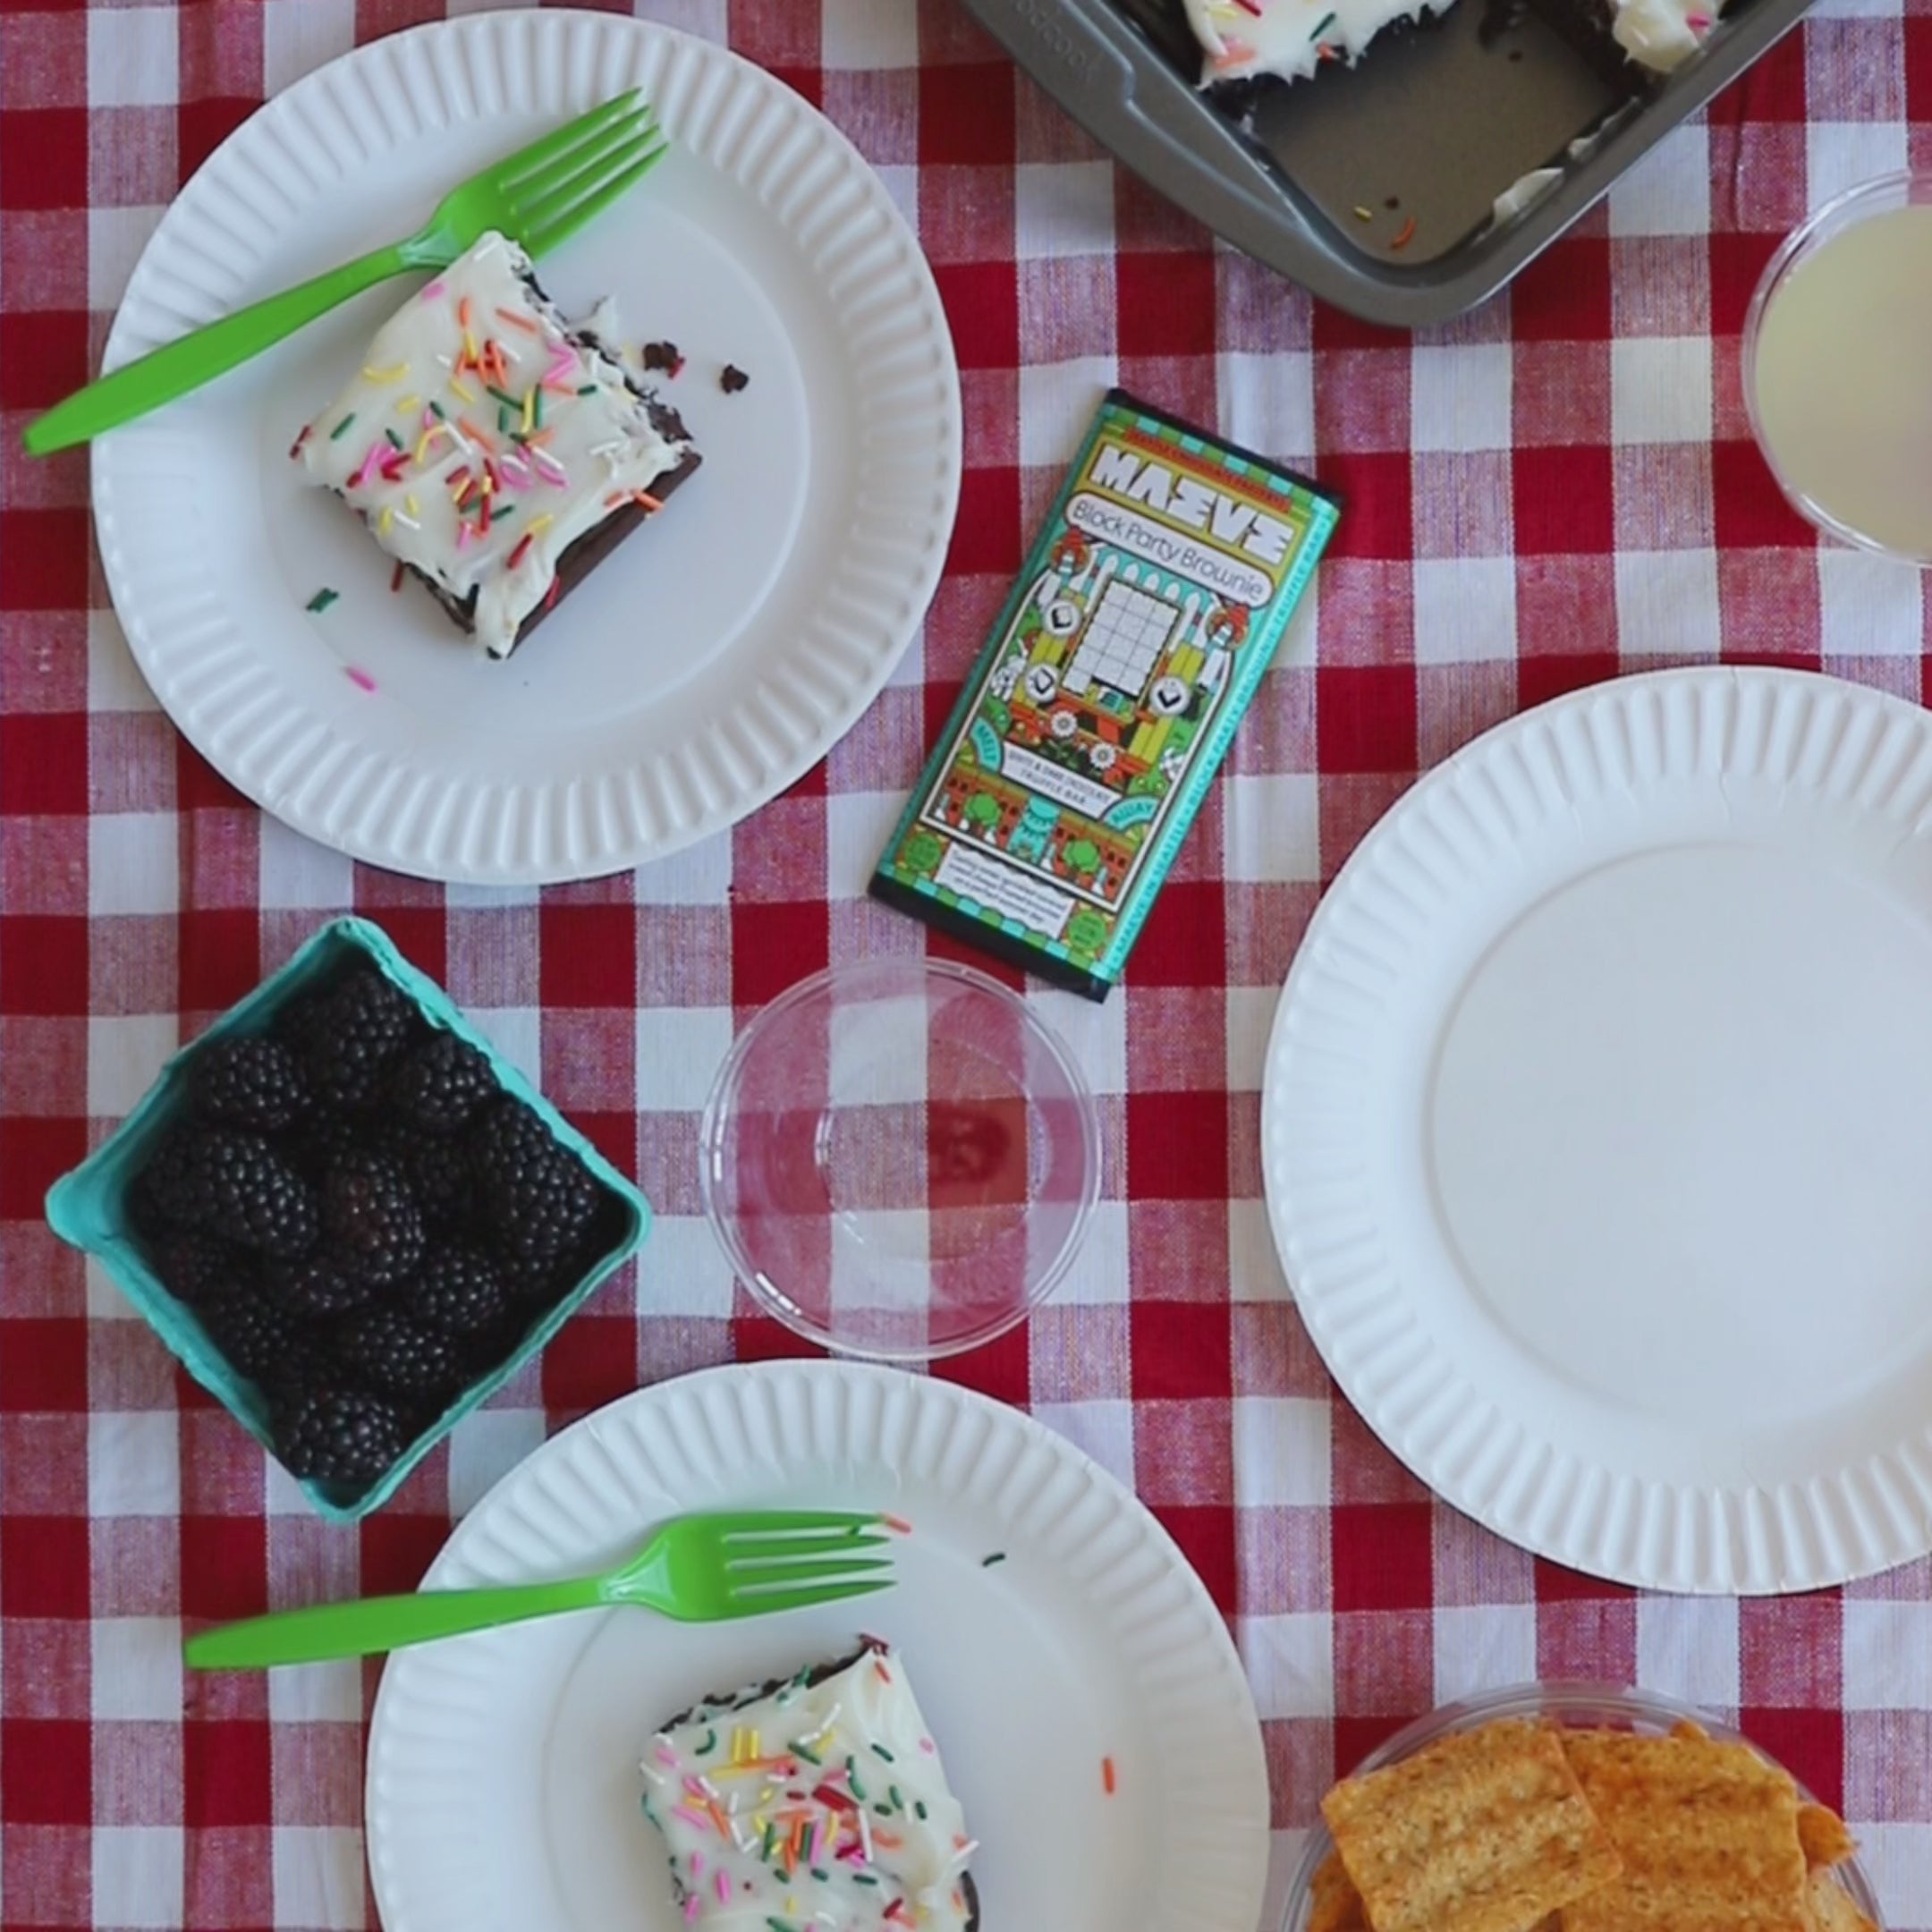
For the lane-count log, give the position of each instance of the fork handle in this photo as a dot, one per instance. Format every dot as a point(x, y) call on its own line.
point(204, 353)
point(377, 1623)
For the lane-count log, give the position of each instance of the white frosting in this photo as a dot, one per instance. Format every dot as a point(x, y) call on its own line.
point(1523, 190)
point(1663, 34)
point(867, 1839)
point(1292, 37)
point(422, 437)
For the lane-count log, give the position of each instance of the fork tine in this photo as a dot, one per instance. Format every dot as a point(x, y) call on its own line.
point(761, 1605)
point(612, 142)
point(749, 1522)
point(782, 1549)
point(540, 229)
point(516, 167)
point(742, 1577)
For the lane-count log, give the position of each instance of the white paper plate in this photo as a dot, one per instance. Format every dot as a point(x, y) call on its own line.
point(710, 660)
point(502, 1782)
point(1597, 1130)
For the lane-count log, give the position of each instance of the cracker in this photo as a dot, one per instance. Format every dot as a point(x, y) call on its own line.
point(1822, 1834)
point(1482, 1832)
point(1707, 1832)
point(1832, 1909)
point(1335, 1905)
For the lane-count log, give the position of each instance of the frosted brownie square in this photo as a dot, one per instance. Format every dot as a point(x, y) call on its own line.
point(493, 450)
point(811, 1801)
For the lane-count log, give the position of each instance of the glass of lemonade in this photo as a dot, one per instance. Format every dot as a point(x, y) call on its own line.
point(1838, 367)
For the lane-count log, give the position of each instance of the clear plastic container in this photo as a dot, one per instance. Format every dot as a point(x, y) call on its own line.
point(900, 1158)
point(1836, 381)
point(1581, 1707)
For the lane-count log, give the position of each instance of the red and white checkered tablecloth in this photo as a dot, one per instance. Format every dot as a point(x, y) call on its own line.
point(1555, 489)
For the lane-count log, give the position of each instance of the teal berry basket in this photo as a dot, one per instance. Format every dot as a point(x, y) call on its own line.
point(88, 1208)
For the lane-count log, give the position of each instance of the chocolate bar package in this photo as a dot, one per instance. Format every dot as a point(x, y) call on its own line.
point(1106, 696)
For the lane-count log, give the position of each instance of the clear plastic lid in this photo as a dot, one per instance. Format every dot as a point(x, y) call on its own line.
point(900, 1158)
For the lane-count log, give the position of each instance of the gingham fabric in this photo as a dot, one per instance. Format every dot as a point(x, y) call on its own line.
point(1553, 490)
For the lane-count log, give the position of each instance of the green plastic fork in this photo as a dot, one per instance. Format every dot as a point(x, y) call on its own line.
point(697, 1569)
point(538, 195)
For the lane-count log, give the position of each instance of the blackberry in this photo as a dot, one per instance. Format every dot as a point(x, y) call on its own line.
point(253, 1082)
point(147, 1206)
point(441, 1083)
point(202, 1269)
point(536, 1287)
point(388, 1352)
point(322, 1139)
point(347, 1034)
point(538, 1196)
point(460, 1292)
point(222, 1180)
point(258, 1338)
point(369, 1218)
point(318, 1285)
point(333, 1434)
point(437, 1169)
point(167, 1192)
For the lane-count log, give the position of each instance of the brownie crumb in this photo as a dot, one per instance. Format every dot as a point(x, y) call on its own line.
point(663, 356)
point(732, 379)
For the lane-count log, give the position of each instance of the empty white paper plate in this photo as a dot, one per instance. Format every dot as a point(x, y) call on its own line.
point(1597, 1130)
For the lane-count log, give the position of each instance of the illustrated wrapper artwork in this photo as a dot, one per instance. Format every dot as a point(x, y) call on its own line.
point(1106, 696)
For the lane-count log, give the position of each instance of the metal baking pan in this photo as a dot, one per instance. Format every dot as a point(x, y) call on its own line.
point(1319, 177)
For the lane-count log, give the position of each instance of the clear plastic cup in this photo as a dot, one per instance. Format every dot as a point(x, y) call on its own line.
point(1574, 1706)
point(900, 1158)
point(1836, 381)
